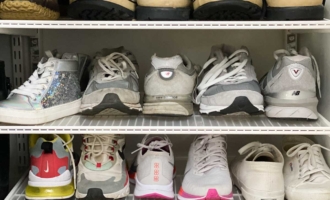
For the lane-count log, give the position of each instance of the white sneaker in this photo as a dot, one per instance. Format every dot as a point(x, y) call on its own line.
point(207, 174)
point(306, 174)
point(257, 172)
point(153, 169)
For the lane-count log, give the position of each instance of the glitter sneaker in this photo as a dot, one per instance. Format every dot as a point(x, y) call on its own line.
point(52, 92)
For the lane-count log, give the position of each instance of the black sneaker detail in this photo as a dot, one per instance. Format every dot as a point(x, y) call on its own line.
point(295, 13)
point(99, 10)
point(47, 147)
point(111, 101)
point(95, 194)
point(121, 153)
point(240, 104)
point(162, 13)
point(228, 10)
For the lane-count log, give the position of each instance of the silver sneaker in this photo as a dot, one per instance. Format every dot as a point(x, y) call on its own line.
point(290, 86)
point(113, 87)
point(52, 92)
point(168, 86)
point(228, 83)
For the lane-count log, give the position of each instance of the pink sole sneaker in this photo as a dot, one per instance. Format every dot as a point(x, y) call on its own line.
point(153, 196)
point(212, 194)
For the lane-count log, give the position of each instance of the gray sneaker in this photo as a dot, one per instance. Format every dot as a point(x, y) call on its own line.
point(168, 86)
point(113, 87)
point(290, 86)
point(52, 92)
point(228, 83)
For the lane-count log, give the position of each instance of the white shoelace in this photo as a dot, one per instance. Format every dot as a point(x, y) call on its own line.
point(312, 168)
point(35, 85)
point(293, 52)
point(100, 144)
point(254, 147)
point(113, 69)
point(157, 144)
point(210, 152)
point(213, 77)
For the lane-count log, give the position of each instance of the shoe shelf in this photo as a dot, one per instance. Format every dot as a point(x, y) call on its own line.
point(195, 124)
point(17, 193)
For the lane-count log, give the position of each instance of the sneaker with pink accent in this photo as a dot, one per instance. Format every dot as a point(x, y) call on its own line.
point(207, 174)
point(153, 169)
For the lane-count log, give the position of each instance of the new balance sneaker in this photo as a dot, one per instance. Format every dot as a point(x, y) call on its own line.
point(113, 86)
point(52, 92)
point(102, 9)
point(52, 161)
point(227, 10)
point(102, 172)
point(207, 173)
point(257, 172)
point(290, 86)
point(306, 174)
point(168, 86)
point(295, 10)
point(29, 10)
point(153, 168)
point(228, 83)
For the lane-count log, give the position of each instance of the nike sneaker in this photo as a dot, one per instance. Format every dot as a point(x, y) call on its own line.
point(52, 92)
point(207, 174)
point(52, 171)
point(258, 172)
point(153, 168)
point(168, 86)
point(290, 87)
point(228, 83)
point(102, 172)
point(306, 174)
point(29, 10)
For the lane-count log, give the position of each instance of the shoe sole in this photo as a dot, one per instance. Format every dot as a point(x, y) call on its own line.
point(97, 194)
point(212, 194)
point(162, 13)
point(102, 10)
point(240, 104)
point(168, 108)
point(112, 105)
point(60, 192)
point(143, 191)
point(26, 10)
point(228, 10)
point(295, 13)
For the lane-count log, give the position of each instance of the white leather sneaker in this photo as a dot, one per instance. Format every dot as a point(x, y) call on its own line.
point(306, 174)
point(257, 172)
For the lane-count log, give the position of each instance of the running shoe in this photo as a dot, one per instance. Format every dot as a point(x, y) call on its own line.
point(306, 174)
point(207, 174)
point(113, 87)
point(258, 172)
point(168, 86)
point(153, 169)
point(52, 162)
point(102, 172)
point(228, 83)
point(290, 86)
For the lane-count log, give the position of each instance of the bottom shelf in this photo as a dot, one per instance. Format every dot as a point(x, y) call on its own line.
point(17, 193)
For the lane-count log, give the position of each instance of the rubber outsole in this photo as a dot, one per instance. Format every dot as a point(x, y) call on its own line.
point(240, 104)
point(26, 10)
point(168, 109)
point(162, 13)
point(99, 10)
point(228, 10)
point(93, 194)
point(110, 105)
point(295, 13)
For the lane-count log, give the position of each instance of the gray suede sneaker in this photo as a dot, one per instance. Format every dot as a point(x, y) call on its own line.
point(113, 88)
point(228, 83)
point(168, 86)
point(290, 86)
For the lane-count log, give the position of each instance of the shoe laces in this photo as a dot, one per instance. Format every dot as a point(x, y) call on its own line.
point(210, 152)
point(114, 66)
point(216, 75)
point(312, 167)
point(157, 144)
point(292, 52)
point(37, 82)
point(255, 147)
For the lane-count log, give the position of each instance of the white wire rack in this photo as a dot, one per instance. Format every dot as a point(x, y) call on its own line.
point(17, 193)
point(196, 124)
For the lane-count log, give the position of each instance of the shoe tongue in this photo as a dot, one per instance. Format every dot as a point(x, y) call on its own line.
point(263, 154)
point(170, 62)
